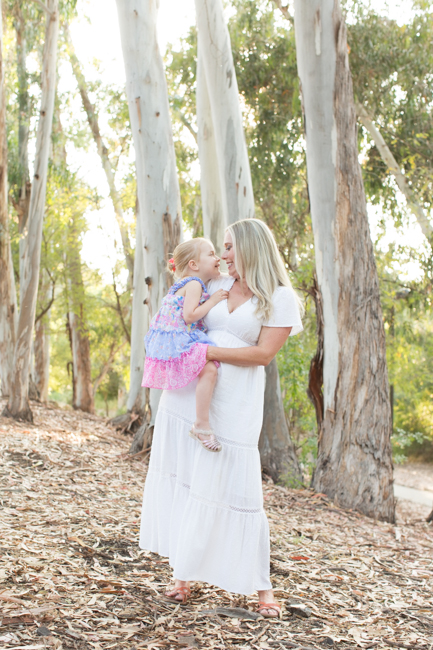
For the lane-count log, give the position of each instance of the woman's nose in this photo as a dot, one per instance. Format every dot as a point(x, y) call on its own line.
point(224, 255)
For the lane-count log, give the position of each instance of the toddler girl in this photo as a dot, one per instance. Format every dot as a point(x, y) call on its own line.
point(176, 342)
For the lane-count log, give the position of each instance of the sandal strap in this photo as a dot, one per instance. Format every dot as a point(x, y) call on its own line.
point(275, 606)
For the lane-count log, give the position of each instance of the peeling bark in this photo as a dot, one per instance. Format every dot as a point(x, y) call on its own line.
point(354, 465)
point(157, 184)
point(8, 303)
point(18, 404)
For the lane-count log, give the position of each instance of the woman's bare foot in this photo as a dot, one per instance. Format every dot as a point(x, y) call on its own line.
point(267, 596)
point(180, 592)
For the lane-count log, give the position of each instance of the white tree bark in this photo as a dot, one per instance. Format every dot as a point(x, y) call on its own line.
point(214, 212)
point(157, 184)
point(18, 405)
point(8, 302)
point(227, 134)
point(92, 118)
point(395, 170)
point(227, 194)
point(354, 461)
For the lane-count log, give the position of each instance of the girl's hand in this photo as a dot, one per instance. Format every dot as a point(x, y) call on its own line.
point(218, 296)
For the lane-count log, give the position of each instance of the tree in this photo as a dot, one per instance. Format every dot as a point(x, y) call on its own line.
point(18, 404)
point(354, 464)
point(227, 193)
point(92, 118)
point(159, 208)
point(8, 303)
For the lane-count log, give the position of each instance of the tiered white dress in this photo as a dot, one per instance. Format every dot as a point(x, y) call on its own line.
point(204, 511)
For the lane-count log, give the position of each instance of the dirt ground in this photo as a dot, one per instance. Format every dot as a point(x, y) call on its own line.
point(72, 575)
point(415, 475)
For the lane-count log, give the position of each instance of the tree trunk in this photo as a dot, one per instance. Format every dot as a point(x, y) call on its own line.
point(214, 214)
point(82, 391)
point(22, 205)
point(277, 451)
point(226, 133)
point(228, 193)
point(18, 404)
point(157, 184)
point(354, 465)
point(93, 120)
point(395, 170)
point(41, 344)
point(8, 303)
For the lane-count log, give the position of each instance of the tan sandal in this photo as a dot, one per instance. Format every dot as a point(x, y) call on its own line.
point(185, 592)
point(211, 444)
point(275, 606)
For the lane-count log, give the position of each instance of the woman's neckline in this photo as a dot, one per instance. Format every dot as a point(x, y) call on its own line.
point(239, 306)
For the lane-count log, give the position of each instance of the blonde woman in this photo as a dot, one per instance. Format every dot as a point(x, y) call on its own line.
point(205, 511)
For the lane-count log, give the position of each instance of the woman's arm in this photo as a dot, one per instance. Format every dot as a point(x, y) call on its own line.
point(271, 340)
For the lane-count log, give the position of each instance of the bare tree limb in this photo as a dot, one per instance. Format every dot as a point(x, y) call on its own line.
point(185, 122)
point(284, 9)
point(43, 6)
point(48, 307)
point(395, 170)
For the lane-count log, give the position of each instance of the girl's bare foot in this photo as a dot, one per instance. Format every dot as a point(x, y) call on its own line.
point(180, 592)
point(267, 596)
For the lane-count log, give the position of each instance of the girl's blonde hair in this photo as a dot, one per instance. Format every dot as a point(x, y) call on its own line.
point(184, 253)
point(259, 263)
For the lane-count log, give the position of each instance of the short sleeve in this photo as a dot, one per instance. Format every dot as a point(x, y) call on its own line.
point(286, 311)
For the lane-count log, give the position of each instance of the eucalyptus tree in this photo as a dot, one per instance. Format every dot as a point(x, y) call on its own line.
point(103, 151)
point(354, 463)
point(159, 208)
point(18, 404)
point(8, 303)
point(227, 192)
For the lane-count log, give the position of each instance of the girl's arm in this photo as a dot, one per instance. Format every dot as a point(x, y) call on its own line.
point(192, 311)
point(271, 340)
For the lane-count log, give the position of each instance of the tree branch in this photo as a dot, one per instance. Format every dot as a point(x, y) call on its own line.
point(43, 6)
point(283, 8)
point(395, 170)
point(44, 311)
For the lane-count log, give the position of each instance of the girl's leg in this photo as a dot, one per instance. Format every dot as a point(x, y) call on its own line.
point(203, 394)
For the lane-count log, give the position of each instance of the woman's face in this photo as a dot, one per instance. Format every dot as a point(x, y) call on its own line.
point(229, 256)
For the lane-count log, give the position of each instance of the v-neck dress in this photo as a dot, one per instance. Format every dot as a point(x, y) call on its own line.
point(204, 511)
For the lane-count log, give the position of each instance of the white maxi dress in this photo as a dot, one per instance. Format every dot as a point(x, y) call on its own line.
point(203, 510)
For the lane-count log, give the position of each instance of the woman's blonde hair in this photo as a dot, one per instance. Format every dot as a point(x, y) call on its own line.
point(184, 253)
point(259, 263)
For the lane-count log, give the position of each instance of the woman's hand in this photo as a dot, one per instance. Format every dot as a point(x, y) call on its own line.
point(271, 340)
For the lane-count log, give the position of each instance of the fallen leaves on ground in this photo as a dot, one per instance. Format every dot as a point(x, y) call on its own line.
point(73, 577)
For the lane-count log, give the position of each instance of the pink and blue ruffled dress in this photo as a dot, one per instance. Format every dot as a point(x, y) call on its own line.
point(175, 351)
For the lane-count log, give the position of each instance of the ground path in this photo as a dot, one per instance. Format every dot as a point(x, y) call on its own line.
point(71, 567)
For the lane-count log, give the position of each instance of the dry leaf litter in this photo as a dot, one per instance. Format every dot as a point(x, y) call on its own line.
point(72, 574)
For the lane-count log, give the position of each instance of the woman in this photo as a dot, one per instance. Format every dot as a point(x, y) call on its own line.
point(205, 511)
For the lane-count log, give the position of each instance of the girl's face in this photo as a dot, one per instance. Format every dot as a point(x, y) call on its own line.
point(229, 256)
point(208, 263)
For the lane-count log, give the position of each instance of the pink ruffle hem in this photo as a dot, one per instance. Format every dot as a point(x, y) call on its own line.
point(175, 373)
